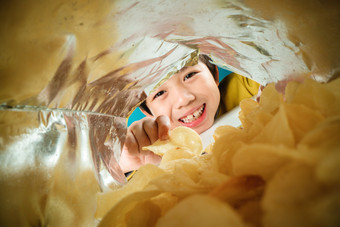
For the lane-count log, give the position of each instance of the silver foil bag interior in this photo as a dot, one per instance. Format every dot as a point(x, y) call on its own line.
point(73, 71)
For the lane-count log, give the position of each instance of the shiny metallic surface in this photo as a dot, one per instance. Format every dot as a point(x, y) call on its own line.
point(71, 72)
point(52, 162)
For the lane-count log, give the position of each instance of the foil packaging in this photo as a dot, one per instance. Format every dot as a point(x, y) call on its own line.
point(73, 71)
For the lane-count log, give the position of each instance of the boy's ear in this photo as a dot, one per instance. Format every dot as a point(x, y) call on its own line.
point(217, 79)
point(145, 112)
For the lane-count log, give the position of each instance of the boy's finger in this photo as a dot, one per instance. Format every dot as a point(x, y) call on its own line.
point(141, 137)
point(151, 129)
point(131, 144)
point(163, 124)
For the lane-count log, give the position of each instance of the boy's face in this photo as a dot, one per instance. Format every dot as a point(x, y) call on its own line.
point(189, 98)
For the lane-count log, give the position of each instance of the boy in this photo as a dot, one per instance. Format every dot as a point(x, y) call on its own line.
point(189, 98)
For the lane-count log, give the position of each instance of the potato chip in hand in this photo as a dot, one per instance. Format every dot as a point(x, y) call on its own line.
point(179, 137)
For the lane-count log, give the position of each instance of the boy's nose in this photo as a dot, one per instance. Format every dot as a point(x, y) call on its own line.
point(183, 97)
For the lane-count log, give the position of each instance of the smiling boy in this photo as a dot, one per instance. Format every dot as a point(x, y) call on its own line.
point(190, 98)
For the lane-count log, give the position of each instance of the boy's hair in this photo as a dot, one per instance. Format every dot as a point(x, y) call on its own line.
point(204, 59)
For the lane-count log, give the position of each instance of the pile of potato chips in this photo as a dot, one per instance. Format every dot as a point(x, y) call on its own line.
point(282, 168)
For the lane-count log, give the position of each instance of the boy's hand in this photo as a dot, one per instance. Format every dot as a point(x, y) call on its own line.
point(140, 134)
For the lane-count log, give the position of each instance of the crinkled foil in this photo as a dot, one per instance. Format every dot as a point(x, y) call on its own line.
point(49, 160)
point(72, 71)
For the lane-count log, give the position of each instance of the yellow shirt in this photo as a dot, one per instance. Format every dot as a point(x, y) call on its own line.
point(233, 89)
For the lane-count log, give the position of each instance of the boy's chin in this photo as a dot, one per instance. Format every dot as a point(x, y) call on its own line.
point(199, 131)
point(202, 128)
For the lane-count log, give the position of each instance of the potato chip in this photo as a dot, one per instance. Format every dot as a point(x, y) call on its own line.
point(254, 117)
point(118, 214)
point(328, 168)
point(177, 184)
point(244, 194)
point(325, 208)
point(165, 201)
point(314, 95)
point(186, 176)
point(228, 139)
point(269, 157)
point(322, 147)
point(325, 135)
point(260, 119)
point(289, 196)
point(179, 137)
point(270, 99)
point(239, 189)
point(277, 131)
point(290, 91)
point(225, 131)
point(186, 167)
point(208, 149)
point(145, 214)
point(200, 210)
point(248, 106)
point(160, 147)
point(175, 154)
point(333, 86)
point(295, 114)
point(142, 177)
point(209, 175)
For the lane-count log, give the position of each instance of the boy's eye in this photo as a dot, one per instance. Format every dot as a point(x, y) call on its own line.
point(160, 93)
point(189, 75)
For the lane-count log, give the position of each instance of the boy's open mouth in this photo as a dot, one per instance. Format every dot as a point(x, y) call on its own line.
point(192, 117)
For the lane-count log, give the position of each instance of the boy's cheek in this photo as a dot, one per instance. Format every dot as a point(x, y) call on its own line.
point(174, 124)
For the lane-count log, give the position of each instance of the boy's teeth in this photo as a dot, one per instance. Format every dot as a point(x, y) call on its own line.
point(194, 116)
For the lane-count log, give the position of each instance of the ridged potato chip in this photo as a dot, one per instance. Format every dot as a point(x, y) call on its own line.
point(117, 215)
point(289, 196)
point(200, 210)
point(315, 96)
point(247, 159)
point(179, 137)
point(300, 127)
point(244, 194)
point(142, 178)
point(277, 130)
